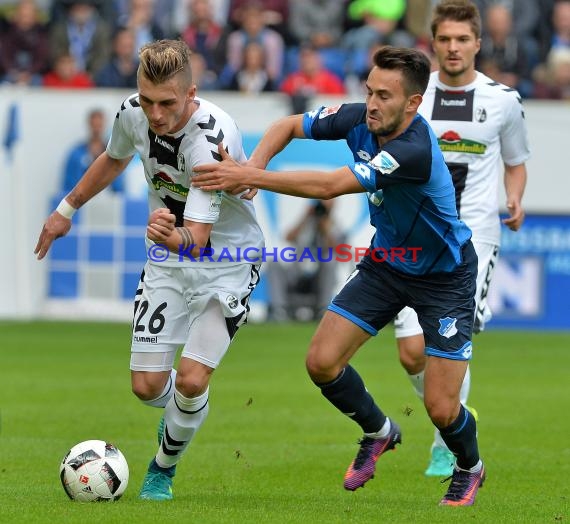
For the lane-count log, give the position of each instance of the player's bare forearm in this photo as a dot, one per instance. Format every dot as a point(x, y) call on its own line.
point(275, 139)
point(100, 174)
point(228, 175)
point(515, 183)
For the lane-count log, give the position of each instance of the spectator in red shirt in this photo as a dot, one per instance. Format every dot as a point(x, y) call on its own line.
point(312, 78)
point(65, 75)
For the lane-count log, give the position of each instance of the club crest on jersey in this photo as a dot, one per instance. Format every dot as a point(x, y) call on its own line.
point(327, 111)
point(480, 114)
point(231, 301)
point(385, 163)
point(447, 327)
point(181, 162)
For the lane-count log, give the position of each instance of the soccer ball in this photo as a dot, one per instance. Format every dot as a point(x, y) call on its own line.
point(94, 470)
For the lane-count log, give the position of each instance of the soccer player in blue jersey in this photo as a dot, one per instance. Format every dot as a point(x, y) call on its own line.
point(432, 266)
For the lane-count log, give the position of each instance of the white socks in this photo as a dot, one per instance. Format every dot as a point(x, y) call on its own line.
point(183, 417)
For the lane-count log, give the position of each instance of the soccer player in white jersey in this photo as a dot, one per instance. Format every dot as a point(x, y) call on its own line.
point(196, 284)
point(481, 130)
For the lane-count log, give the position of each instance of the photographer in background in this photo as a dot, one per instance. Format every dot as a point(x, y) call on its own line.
point(301, 290)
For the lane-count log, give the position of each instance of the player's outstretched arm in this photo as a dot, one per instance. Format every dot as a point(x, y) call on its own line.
point(99, 175)
point(228, 175)
point(275, 139)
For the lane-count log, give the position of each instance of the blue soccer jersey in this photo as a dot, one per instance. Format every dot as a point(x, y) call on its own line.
point(411, 197)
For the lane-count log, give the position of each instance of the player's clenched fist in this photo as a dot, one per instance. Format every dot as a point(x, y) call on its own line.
point(161, 224)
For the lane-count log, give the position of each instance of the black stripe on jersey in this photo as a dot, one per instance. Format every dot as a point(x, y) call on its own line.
point(176, 208)
point(164, 148)
point(213, 139)
point(458, 172)
point(508, 90)
point(210, 125)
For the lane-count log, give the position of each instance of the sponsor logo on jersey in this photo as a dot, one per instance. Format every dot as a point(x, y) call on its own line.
point(161, 179)
point(215, 201)
point(327, 111)
point(447, 327)
point(385, 163)
point(451, 141)
point(164, 149)
point(364, 155)
point(455, 106)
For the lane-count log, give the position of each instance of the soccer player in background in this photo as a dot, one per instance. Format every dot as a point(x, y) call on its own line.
point(198, 304)
point(481, 130)
point(431, 263)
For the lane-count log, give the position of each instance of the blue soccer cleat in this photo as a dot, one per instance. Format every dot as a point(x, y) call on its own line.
point(156, 486)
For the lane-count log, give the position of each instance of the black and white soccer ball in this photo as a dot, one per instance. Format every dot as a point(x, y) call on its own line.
point(94, 470)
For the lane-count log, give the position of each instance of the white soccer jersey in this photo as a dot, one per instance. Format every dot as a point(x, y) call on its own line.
point(480, 127)
point(168, 164)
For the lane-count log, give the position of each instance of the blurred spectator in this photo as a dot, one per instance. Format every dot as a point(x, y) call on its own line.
point(317, 22)
point(121, 70)
point(82, 154)
point(553, 78)
point(502, 57)
point(561, 24)
point(275, 14)
point(204, 78)
point(203, 34)
point(173, 16)
point(254, 29)
point(253, 76)
point(417, 22)
point(302, 290)
point(24, 51)
point(84, 35)
point(140, 20)
point(379, 24)
point(57, 9)
point(65, 75)
point(525, 15)
point(311, 78)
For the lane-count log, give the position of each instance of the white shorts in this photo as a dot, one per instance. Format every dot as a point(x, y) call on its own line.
point(406, 323)
point(197, 308)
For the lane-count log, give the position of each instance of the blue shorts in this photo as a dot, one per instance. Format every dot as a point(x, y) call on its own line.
point(444, 302)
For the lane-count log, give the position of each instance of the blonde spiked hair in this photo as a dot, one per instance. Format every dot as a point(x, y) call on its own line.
point(162, 60)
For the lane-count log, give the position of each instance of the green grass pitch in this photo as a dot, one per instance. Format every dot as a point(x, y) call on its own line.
point(273, 450)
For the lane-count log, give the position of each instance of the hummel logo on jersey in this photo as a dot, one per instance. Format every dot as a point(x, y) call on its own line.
point(455, 103)
point(385, 163)
point(447, 327)
point(164, 149)
point(163, 143)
